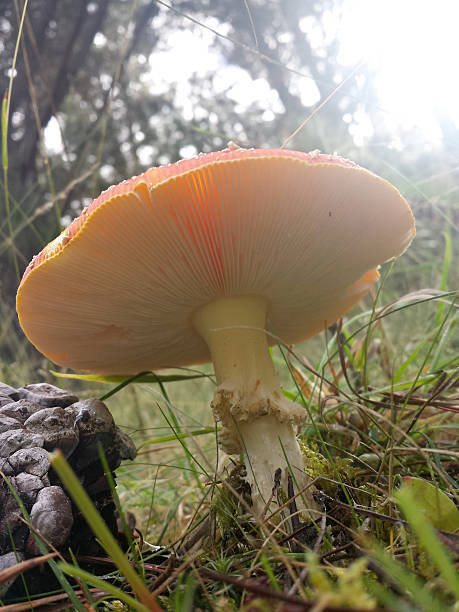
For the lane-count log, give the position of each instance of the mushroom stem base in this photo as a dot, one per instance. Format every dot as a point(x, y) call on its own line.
point(268, 446)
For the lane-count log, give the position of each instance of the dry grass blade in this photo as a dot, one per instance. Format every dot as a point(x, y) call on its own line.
point(48, 601)
point(253, 587)
point(321, 105)
point(48, 206)
point(23, 566)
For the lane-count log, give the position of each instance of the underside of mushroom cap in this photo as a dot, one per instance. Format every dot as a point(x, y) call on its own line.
point(116, 291)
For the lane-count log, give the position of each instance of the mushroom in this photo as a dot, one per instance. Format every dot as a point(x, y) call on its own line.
point(216, 258)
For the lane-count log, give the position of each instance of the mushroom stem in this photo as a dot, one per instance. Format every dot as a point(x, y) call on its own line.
point(258, 421)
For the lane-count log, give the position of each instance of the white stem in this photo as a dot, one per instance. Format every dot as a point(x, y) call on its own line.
point(268, 446)
point(257, 419)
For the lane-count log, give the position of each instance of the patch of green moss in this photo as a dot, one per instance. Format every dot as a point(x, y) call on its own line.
point(318, 466)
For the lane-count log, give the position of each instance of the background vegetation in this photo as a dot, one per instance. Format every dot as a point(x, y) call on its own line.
point(102, 90)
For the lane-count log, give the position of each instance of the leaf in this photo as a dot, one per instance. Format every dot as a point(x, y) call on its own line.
point(119, 378)
point(437, 507)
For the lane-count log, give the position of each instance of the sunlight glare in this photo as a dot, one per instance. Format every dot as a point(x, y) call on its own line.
point(412, 46)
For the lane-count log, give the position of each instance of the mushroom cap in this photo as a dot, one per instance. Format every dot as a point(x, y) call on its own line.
point(116, 291)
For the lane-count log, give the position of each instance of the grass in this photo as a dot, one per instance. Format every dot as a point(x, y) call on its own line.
point(364, 439)
point(382, 399)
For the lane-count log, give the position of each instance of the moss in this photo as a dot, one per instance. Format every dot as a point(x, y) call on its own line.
point(114, 606)
point(319, 467)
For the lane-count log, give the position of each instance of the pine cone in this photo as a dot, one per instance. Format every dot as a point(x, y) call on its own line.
point(35, 420)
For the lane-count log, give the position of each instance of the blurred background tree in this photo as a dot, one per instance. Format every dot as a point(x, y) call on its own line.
point(103, 89)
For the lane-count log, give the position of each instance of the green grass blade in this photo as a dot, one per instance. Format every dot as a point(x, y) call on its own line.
point(97, 524)
point(447, 259)
point(84, 585)
point(406, 581)
point(5, 122)
point(5, 131)
point(103, 585)
point(184, 594)
point(410, 359)
point(181, 436)
point(386, 597)
point(121, 385)
point(116, 499)
point(191, 458)
point(443, 341)
point(270, 573)
point(429, 541)
point(66, 586)
point(5, 111)
point(373, 317)
point(436, 456)
point(418, 376)
point(403, 305)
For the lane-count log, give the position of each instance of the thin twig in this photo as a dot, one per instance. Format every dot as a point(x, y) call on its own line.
point(258, 589)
